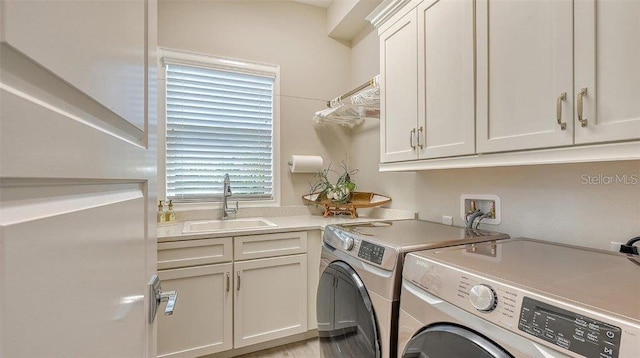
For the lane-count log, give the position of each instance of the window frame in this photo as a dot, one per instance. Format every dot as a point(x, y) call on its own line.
point(171, 56)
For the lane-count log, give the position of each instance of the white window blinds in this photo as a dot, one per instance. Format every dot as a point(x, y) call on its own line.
point(218, 122)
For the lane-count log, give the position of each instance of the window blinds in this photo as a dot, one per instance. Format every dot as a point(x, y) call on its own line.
point(218, 122)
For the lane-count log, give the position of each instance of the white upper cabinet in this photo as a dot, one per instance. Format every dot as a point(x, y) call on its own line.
point(399, 81)
point(427, 76)
point(525, 74)
point(607, 64)
point(446, 108)
point(508, 82)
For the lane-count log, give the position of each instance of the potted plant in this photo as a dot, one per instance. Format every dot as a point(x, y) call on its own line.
point(338, 193)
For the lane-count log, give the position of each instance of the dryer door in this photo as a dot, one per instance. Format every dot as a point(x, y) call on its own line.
point(451, 341)
point(346, 322)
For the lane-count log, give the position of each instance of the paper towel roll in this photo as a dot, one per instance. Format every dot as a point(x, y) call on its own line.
point(305, 163)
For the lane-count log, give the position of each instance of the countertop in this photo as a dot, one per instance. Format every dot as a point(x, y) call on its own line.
point(174, 232)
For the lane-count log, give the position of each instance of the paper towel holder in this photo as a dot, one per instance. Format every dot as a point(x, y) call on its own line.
point(305, 164)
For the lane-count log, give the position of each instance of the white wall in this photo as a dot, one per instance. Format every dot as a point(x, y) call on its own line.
point(545, 201)
point(313, 67)
point(550, 202)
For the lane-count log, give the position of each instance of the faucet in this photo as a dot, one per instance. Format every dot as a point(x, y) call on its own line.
point(226, 193)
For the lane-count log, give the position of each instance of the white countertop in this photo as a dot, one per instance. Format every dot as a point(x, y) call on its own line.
point(174, 232)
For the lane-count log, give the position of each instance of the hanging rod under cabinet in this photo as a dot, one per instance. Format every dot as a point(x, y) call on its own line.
point(370, 83)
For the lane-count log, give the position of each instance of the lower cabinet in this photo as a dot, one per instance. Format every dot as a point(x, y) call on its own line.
point(270, 299)
point(254, 297)
point(203, 318)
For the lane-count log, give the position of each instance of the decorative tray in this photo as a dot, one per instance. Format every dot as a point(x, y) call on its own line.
point(358, 200)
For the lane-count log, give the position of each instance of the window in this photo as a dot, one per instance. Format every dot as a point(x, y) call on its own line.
point(220, 119)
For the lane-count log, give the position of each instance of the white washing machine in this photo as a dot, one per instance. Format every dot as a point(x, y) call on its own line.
point(519, 298)
point(359, 289)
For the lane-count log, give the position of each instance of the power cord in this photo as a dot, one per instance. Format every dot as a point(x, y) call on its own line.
point(628, 248)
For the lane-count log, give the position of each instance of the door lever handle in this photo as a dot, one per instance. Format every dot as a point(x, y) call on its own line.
point(170, 297)
point(157, 296)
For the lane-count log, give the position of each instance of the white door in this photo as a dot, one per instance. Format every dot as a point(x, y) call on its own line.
point(607, 45)
point(446, 79)
point(77, 178)
point(524, 66)
point(398, 90)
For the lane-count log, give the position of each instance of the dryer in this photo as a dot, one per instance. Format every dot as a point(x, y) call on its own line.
point(519, 298)
point(359, 288)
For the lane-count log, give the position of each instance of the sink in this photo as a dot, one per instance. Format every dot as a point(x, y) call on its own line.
point(226, 225)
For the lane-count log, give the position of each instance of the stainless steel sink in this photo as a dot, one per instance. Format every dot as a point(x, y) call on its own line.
point(226, 225)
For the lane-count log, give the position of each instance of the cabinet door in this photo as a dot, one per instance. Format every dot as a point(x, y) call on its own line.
point(202, 321)
point(524, 64)
point(270, 299)
point(398, 90)
point(607, 46)
point(446, 79)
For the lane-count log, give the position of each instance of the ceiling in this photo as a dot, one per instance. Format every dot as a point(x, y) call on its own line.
point(319, 3)
point(345, 19)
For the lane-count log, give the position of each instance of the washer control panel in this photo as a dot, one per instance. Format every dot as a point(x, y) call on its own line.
point(371, 252)
point(575, 332)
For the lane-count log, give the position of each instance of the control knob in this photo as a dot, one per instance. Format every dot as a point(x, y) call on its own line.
point(347, 244)
point(483, 298)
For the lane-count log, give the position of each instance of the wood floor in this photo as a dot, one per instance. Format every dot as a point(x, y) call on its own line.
point(304, 349)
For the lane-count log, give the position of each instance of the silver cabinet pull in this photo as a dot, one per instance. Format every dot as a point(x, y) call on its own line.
point(562, 97)
point(418, 136)
point(581, 95)
point(238, 273)
point(411, 135)
point(228, 281)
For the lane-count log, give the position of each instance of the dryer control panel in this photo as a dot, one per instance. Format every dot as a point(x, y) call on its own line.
point(575, 332)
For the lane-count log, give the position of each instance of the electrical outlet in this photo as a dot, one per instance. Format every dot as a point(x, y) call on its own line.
point(447, 220)
point(615, 246)
point(483, 202)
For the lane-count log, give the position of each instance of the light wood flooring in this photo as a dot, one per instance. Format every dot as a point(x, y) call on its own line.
point(304, 349)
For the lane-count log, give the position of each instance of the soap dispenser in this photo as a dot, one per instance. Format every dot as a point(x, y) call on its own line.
point(171, 215)
point(161, 213)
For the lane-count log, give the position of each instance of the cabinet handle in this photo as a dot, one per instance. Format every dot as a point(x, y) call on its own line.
point(418, 136)
point(581, 95)
point(238, 273)
point(228, 281)
point(562, 97)
point(411, 135)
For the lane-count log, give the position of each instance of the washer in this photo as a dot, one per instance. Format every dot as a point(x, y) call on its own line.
point(359, 288)
point(519, 298)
